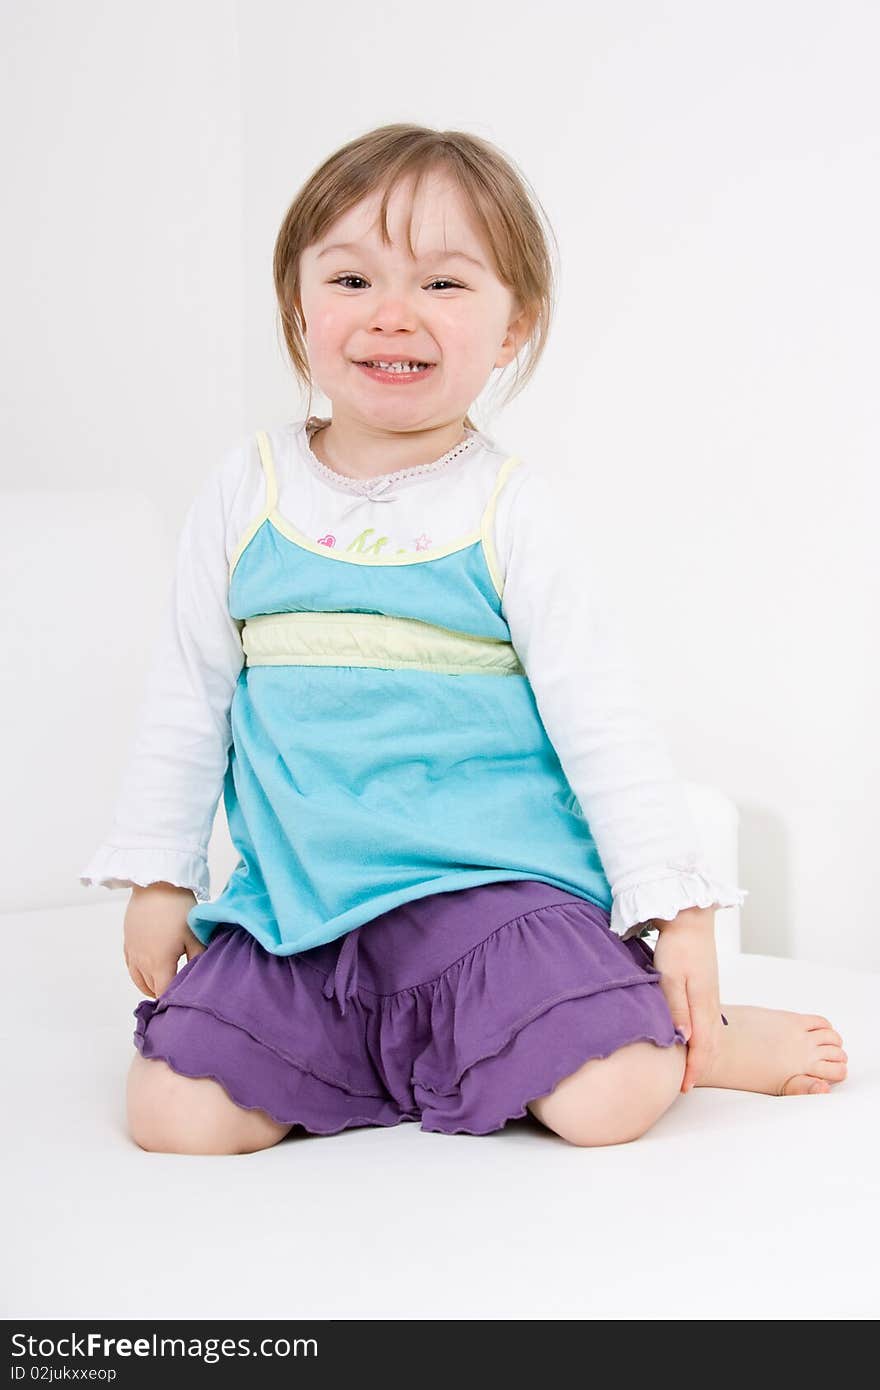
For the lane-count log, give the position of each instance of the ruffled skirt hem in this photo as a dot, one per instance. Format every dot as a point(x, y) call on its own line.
point(525, 983)
point(499, 1087)
point(259, 1078)
point(493, 1090)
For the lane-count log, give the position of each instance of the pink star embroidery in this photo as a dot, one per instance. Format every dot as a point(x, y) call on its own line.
point(423, 542)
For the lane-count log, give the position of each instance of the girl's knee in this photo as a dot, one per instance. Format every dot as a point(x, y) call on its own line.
point(171, 1113)
point(614, 1099)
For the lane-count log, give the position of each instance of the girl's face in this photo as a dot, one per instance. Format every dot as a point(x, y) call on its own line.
point(366, 302)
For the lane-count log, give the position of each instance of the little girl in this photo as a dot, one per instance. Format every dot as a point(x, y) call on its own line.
point(455, 823)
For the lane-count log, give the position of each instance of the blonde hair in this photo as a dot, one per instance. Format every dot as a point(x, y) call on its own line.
point(503, 203)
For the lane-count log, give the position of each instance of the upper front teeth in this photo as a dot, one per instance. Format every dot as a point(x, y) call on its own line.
point(398, 366)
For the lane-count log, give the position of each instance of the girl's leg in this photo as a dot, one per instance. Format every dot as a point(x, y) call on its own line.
point(170, 1113)
point(614, 1099)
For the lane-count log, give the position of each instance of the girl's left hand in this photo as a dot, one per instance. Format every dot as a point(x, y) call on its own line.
point(686, 957)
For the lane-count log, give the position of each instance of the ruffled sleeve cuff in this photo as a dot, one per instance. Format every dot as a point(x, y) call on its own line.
point(115, 867)
point(664, 895)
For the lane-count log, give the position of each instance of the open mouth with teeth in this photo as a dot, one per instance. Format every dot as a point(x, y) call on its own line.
point(379, 369)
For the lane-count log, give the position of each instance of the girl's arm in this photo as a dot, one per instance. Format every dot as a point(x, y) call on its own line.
point(562, 626)
point(172, 783)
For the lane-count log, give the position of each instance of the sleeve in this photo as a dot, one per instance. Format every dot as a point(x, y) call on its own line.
point(172, 783)
point(567, 639)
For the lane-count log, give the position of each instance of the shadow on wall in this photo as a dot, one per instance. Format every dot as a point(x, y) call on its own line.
point(766, 867)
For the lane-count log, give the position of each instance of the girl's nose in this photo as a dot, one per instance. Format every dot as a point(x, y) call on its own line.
point(392, 314)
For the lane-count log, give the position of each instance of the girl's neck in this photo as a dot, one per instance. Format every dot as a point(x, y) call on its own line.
point(356, 453)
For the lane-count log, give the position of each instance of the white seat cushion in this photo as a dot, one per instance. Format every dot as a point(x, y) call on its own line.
point(734, 1205)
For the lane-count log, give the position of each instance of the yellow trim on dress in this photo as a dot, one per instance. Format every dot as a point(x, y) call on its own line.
point(504, 473)
point(271, 498)
point(373, 639)
point(269, 470)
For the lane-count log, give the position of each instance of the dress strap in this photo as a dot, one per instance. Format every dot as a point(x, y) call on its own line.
point(268, 470)
point(487, 523)
point(271, 500)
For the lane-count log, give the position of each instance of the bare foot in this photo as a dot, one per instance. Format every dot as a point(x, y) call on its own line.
point(777, 1052)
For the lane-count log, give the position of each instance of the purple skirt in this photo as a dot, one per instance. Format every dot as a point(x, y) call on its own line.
point(453, 1010)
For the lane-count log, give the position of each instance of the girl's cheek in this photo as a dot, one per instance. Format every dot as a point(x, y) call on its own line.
point(466, 334)
point(325, 333)
point(328, 318)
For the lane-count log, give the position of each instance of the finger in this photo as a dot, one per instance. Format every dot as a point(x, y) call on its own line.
point(695, 1035)
point(139, 980)
point(676, 998)
point(703, 1047)
point(694, 1067)
point(162, 979)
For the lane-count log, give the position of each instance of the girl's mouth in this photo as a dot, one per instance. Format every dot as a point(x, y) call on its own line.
point(396, 373)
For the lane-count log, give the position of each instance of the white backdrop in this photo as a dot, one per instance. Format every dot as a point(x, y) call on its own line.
point(710, 385)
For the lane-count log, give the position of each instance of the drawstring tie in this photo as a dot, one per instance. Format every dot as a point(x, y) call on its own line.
point(342, 980)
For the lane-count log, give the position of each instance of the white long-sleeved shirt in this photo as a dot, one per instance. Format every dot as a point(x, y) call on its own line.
point(561, 627)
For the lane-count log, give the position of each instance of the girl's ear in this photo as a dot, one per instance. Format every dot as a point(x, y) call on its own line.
point(518, 331)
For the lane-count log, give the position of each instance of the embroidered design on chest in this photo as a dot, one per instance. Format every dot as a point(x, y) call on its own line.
point(368, 543)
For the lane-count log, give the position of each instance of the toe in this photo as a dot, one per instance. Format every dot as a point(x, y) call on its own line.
point(831, 1071)
point(803, 1085)
point(826, 1035)
point(818, 1021)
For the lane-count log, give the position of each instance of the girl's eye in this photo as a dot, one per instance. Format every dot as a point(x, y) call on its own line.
point(451, 284)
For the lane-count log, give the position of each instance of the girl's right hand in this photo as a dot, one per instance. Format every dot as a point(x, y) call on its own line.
point(157, 934)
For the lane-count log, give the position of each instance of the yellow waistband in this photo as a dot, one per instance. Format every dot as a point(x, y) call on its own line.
point(373, 639)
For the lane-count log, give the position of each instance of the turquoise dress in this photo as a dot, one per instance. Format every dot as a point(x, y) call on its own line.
point(386, 743)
